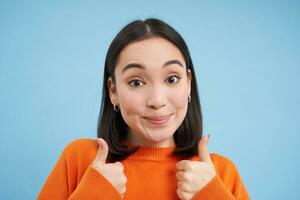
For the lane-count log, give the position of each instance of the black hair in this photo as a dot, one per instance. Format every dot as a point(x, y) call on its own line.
point(111, 126)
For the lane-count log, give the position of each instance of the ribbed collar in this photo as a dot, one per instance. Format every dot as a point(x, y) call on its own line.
point(153, 153)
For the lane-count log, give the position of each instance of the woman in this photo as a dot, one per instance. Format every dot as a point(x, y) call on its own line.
point(150, 143)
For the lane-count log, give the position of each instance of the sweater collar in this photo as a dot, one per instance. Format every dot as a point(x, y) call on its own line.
point(153, 153)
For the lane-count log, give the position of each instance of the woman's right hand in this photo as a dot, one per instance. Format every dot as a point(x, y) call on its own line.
point(113, 172)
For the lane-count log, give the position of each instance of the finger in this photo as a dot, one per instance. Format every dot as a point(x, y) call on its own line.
point(180, 175)
point(181, 185)
point(203, 151)
point(120, 166)
point(183, 195)
point(179, 193)
point(102, 152)
point(181, 165)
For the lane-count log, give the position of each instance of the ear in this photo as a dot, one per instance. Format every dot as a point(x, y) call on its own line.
point(112, 90)
point(189, 79)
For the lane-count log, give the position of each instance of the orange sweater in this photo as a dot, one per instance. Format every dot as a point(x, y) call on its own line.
point(150, 174)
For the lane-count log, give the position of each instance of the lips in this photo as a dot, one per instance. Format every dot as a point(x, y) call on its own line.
point(158, 120)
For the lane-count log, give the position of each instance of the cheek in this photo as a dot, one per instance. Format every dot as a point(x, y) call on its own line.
point(180, 106)
point(179, 99)
point(131, 104)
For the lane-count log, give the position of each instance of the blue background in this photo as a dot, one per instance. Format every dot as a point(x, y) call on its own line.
point(247, 59)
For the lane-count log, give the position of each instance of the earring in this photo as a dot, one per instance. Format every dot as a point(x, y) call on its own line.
point(189, 98)
point(116, 107)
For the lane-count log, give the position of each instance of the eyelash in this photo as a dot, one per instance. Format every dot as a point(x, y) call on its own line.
point(137, 80)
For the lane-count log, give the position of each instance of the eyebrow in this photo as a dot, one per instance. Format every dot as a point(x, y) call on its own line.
point(139, 66)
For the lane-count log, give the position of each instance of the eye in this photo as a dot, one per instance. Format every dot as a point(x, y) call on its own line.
point(135, 83)
point(173, 79)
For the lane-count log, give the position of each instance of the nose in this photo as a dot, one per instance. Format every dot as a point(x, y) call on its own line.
point(156, 98)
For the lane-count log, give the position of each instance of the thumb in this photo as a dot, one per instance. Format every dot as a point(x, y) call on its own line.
point(203, 151)
point(102, 151)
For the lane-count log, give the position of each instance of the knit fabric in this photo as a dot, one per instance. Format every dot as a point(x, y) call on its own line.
point(150, 172)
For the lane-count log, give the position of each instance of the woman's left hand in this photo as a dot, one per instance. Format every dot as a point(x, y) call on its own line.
point(192, 176)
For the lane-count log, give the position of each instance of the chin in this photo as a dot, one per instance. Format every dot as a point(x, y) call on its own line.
point(159, 136)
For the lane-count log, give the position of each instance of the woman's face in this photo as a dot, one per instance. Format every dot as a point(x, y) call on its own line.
point(151, 89)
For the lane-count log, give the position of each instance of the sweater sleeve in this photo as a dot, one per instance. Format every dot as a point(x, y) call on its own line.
point(94, 186)
point(70, 179)
point(226, 185)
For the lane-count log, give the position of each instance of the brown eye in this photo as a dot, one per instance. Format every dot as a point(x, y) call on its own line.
point(135, 83)
point(173, 79)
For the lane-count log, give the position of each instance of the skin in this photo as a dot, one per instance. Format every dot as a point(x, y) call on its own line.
point(153, 86)
point(192, 176)
point(154, 89)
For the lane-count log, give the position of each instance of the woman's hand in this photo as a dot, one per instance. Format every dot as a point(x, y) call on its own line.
point(113, 172)
point(192, 176)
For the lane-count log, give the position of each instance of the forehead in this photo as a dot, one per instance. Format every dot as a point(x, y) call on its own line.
point(151, 50)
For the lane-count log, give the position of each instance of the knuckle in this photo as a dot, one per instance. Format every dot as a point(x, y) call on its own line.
point(120, 166)
point(188, 166)
point(186, 176)
point(178, 191)
point(185, 187)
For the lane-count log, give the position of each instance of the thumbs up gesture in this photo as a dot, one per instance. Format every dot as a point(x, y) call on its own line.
point(113, 172)
point(192, 176)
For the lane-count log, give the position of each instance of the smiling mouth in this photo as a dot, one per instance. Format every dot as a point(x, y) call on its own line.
point(158, 120)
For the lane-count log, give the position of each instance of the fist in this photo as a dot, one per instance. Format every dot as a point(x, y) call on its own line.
point(113, 172)
point(192, 176)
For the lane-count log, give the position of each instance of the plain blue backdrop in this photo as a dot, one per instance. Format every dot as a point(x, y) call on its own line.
point(247, 59)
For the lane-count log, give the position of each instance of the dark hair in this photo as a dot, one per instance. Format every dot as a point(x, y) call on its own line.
point(111, 126)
